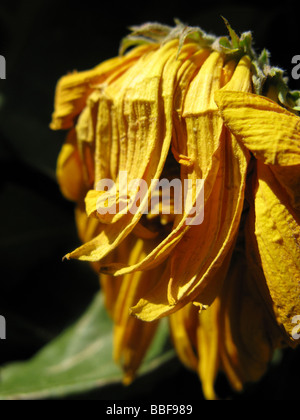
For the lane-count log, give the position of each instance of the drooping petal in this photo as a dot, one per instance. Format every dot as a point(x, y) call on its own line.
point(276, 247)
point(208, 349)
point(156, 302)
point(75, 166)
point(150, 96)
point(237, 334)
point(73, 89)
point(182, 79)
point(248, 333)
point(204, 248)
point(69, 170)
point(132, 337)
point(189, 83)
point(210, 242)
point(203, 124)
point(195, 337)
point(86, 137)
point(87, 228)
point(183, 325)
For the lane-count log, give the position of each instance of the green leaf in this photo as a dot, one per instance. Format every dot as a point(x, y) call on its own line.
point(78, 361)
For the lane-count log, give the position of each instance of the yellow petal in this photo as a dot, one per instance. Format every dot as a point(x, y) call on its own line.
point(128, 249)
point(148, 105)
point(107, 140)
point(183, 324)
point(203, 124)
point(208, 349)
point(75, 167)
point(237, 334)
point(277, 231)
point(87, 227)
point(204, 248)
point(132, 337)
point(183, 76)
point(195, 337)
point(155, 302)
point(269, 131)
point(289, 178)
point(69, 170)
point(241, 81)
point(73, 89)
point(188, 89)
point(86, 136)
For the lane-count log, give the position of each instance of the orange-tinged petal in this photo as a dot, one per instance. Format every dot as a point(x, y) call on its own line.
point(128, 249)
point(204, 248)
point(208, 349)
point(248, 333)
point(196, 340)
point(237, 334)
point(183, 324)
point(132, 337)
point(155, 303)
point(210, 242)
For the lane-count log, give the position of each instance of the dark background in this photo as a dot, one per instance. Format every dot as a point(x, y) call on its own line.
point(41, 41)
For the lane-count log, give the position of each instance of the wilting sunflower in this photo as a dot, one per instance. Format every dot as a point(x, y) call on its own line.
point(184, 105)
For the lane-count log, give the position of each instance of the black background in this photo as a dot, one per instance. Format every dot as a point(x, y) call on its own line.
point(42, 40)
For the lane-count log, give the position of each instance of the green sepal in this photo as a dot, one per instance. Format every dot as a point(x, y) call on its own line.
point(133, 41)
point(155, 32)
point(235, 40)
point(277, 79)
point(234, 47)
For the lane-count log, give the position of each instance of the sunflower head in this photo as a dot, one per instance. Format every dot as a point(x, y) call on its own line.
point(183, 157)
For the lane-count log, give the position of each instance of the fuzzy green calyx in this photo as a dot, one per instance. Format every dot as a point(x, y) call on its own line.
point(233, 46)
